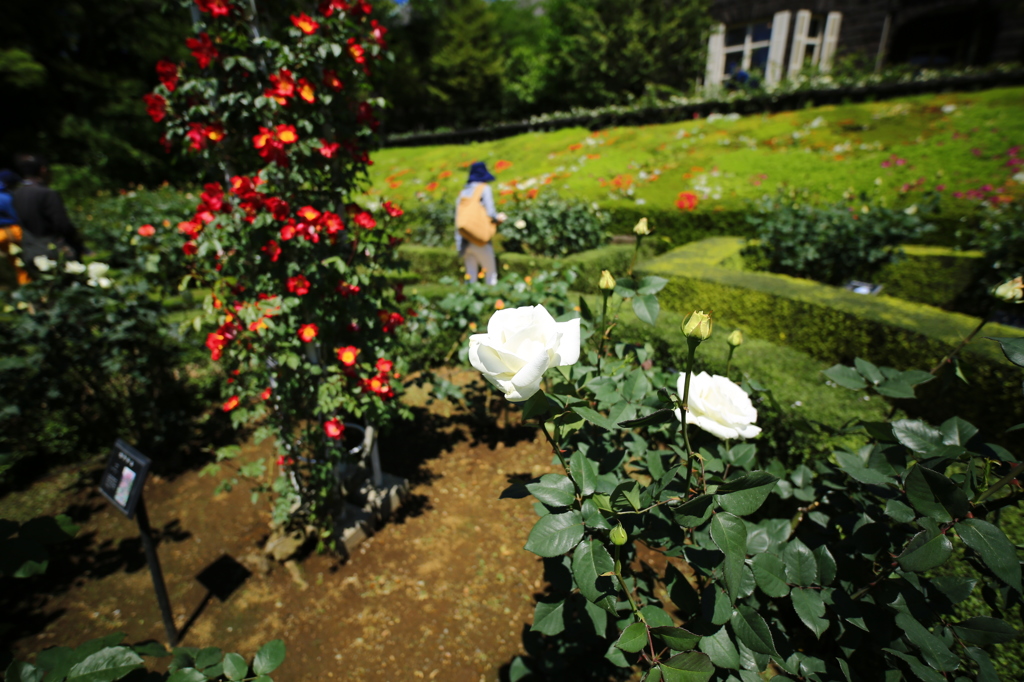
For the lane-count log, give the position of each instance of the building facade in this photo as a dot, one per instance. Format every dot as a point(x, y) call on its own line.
point(777, 39)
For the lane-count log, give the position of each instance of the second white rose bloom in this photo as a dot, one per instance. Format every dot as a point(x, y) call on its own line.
point(520, 345)
point(719, 406)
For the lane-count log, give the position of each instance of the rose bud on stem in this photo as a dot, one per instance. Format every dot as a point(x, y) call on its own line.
point(696, 328)
point(735, 339)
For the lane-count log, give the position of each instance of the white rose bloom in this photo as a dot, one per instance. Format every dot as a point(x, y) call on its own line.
point(97, 270)
point(43, 264)
point(520, 345)
point(719, 406)
point(520, 224)
point(73, 267)
point(104, 283)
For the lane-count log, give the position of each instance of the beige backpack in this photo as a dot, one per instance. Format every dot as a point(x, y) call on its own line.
point(472, 220)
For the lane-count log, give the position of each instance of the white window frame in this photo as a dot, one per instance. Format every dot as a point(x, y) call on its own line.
point(822, 46)
point(747, 47)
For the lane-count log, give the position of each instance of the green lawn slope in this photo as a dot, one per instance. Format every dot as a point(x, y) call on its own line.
point(953, 141)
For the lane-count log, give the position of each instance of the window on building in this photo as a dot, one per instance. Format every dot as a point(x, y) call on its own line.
point(814, 41)
point(746, 47)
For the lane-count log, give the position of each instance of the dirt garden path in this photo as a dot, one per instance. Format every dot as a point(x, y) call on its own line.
point(443, 592)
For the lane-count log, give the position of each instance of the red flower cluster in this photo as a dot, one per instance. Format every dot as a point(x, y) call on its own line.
point(392, 210)
point(284, 86)
point(686, 201)
point(216, 8)
point(378, 32)
point(218, 340)
point(167, 72)
point(156, 106)
point(365, 220)
point(272, 249)
point(305, 23)
point(298, 285)
point(357, 51)
point(328, 149)
point(365, 116)
point(202, 49)
point(310, 223)
point(230, 404)
point(308, 332)
point(270, 143)
point(347, 355)
point(389, 321)
point(147, 231)
point(201, 134)
point(378, 384)
point(346, 289)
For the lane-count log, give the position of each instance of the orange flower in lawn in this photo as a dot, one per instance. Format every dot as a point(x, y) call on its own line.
point(347, 355)
point(431, 187)
point(334, 429)
point(305, 23)
point(308, 332)
point(147, 231)
point(499, 304)
point(502, 164)
point(306, 91)
point(686, 201)
point(444, 174)
point(298, 285)
point(230, 404)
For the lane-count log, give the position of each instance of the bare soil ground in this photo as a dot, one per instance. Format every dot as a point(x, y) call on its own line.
point(443, 591)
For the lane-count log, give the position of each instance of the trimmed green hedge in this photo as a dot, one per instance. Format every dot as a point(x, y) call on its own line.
point(936, 275)
point(836, 325)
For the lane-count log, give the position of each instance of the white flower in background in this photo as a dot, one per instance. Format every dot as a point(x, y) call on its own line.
point(1019, 177)
point(911, 210)
point(13, 249)
point(73, 267)
point(43, 264)
point(103, 283)
point(948, 108)
point(520, 224)
point(719, 406)
point(520, 345)
point(97, 269)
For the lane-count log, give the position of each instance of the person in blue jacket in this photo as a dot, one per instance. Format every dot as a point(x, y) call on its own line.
point(476, 257)
point(10, 227)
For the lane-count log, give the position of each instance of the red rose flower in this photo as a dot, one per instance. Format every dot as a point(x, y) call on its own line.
point(328, 149)
point(306, 91)
point(332, 81)
point(189, 228)
point(288, 231)
point(389, 321)
point(365, 220)
point(331, 222)
point(384, 366)
point(216, 8)
point(189, 248)
point(686, 201)
point(284, 87)
point(378, 32)
point(156, 106)
point(346, 289)
point(392, 210)
point(305, 23)
point(298, 285)
point(357, 51)
point(167, 72)
point(272, 249)
point(334, 429)
point(347, 355)
point(308, 332)
point(308, 213)
point(202, 49)
point(230, 404)
point(147, 231)
point(266, 393)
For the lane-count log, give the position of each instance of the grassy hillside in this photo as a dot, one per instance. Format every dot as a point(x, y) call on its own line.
point(957, 142)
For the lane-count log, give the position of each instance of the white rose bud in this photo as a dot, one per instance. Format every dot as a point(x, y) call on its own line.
point(735, 338)
point(911, 210)
point(719, 406)
point(1011, 291)
point(697, 325)
point(73, 267)
point(520, 345)
point(97, 270)
point(607, 281)
point(104, 282)
point(520, 224)
point(641, 228)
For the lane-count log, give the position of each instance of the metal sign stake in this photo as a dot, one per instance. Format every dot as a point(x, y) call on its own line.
point(154, 570)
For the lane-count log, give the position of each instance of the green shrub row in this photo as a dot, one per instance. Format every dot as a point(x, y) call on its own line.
point(835, 325)
point(936, 275)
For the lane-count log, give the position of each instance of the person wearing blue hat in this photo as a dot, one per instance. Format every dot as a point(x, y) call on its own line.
point(476, 256)
point(10, 226)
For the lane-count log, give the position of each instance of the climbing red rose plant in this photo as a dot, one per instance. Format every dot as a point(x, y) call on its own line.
point(301, 309)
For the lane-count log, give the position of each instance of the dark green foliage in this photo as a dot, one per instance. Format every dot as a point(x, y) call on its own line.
point(831, 244)
point(552, 226)
point(935, 275)
point(1001, 237)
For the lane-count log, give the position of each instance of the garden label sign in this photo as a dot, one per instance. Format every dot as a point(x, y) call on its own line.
point(124, 477)
point(122, 484)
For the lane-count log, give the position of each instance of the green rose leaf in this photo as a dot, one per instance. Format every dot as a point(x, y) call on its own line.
point(269, 657)
point(694, 512)
point(19, 671)
point(752, 631)
point(986, 671)
point(935, 496)
point(801, 566)
point(925, 551)
point(676, 638)
point(691, 666)
point(755, 479)
point(590, 562)
point(916, 435)
point(933, 649)
point(983, 630)
point(826, 565)
point(730, 534)
point(207, 657)
point(956, 431)
point(899, 512)
point(187, 675)
point(847, 377)
point(955, 588)
point(549, 618)
point(584, 471)
point(555, 534)
point(810, 607)
point(107, 664)
point(646, 307)
point(555, 490)
point(633, 638)
point(662, 416)
point(869, 371)
point(1013, 349)
point(994, 548)
point(721, 649)
point(235, 667)
point(770, 575)
point(922, 671)
point(595, 417)
point(748, 501)
point(592, 516)
point(651, 284)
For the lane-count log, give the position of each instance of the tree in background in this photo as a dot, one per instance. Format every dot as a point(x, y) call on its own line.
point(73, 73)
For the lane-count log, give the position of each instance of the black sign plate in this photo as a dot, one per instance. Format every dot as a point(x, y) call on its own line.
point(124, 477)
